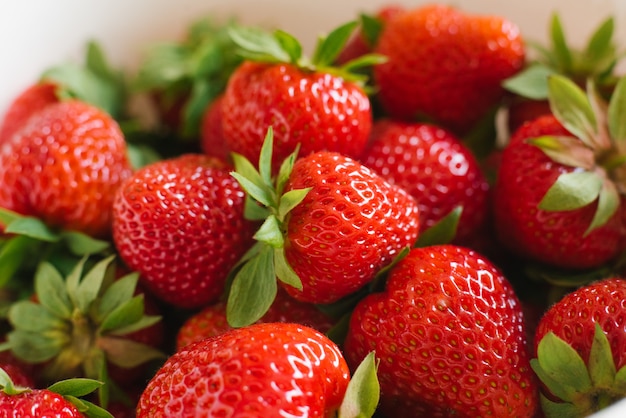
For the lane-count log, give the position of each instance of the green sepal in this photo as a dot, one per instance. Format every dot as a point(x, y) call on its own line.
point(571, 106)
point(601, 365)
point(75, 387)
point(32, 227)
point(253, 289)
point(571, 191)
point(329, 47)
point(290, 200)
point(91, 285)
point(371, 28)
point(616, 112)
point(144, 322)
point(289, 44)
point(531, 82)
point(259, 45)
point(252, 211)
point(250, 180)
point(36, 347)
point(620, 380)
point(608, 204)
point(380, 279)
point(284, 271)
point(339, 331)
point(89, 409)
point(7, 386)
point(442, 232)
point(14, 252)
point(566, 150)
point(561, 51)
point(561, 368)
point(265, 160)
point(123, 315)
point(599, 53)
point(559, 409)
point(127, 353)
point(72, 281)
point(82, 244)
point(363, 392)
point(286, 167)
point(117, 294)
point(32, 317)
point(270, 233)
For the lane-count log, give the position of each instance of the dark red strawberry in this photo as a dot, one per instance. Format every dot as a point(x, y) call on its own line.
point(64, 167)
point(446, 66)
point(27, 103)
point(264, 370)
point(449, 334)
point(434, 167)
point(180, 223)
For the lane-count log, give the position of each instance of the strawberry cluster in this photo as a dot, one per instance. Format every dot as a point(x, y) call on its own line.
point(417, 219)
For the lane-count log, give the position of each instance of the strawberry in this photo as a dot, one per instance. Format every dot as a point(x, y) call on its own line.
point(179, 222)
point(557, 198)
point(308, 103)
point(211, 135)
point(331, 224)
point(445, 66)
point(27, 103)
point(449, 333)
point(212, 320)
point(64, 167)
point(269, 370)
point(580, 349)
point(434, 167)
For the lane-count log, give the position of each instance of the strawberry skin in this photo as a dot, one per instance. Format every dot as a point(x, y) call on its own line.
point(37, 403)
point(350, 225)
point(211, 135)
point(445, 66)
point(434, 166)
point(450, 337)
point(554, 237)
point(179, 222)
point(263, 370)
point(64, 167)
point(29, 102)
point(317, 110)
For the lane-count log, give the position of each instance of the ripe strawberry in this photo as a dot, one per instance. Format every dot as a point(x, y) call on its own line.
point(212, 321)
point(269, 370)
point(180, 223)
point(308, 103)
point(580, 345)
point(64, 167)
point(557, 198)
point(450, 337)
point(27, 103)
point(212, 140)
point(331, 224)
point(446, 66)
point(434, 167)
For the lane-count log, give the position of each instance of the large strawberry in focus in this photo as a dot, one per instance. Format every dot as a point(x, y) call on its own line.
point(308, 102)
point(180, 223)
point(559, 190)
point(449, 333)
point(64, 167)
point(445, 66)
point(264, 370)
point(580, 345)
point(435, 167)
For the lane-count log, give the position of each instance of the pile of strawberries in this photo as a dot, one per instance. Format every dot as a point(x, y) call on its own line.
point(422, 218)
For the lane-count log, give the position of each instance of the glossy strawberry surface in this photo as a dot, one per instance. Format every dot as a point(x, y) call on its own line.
point(555, 237)
point(264, 370)
point(351, 224)
point(317, 110)
point(180, 223)
point(37, 403)
point(64, 167)
point(449, 333)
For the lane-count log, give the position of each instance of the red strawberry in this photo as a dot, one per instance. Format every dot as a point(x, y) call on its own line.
point(557, 198)
point(212, 321)
point(450, 337)
point(434, 166)
point(180, 223)
point(446, 66)
point(307, 103)
point(580, 346)
point(212, 139)
point(268, 370)
point(64, 167)
point(29, 102)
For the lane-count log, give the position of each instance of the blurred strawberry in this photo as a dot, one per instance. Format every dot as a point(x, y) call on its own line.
point(26, 104)
point(212, 140)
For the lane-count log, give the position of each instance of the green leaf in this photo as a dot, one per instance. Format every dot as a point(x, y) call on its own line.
point(270, 233)
point(33, 228)
point(532, 82)
point(75, 387)
point(617, 110)
point(620, 380)
point(560, 48)
point(146, 321)
point(32, 317)
point(339, 331)
point(442, 232)
point(82, 244)
point(608, 204)
point(51, 291)
point(124, 315)
point(363, 392)
point(253, 211)
point(164, 65)
point(290, 45)
point(91, 285)
point(360, 63)
point(265, 158)
point(284, 272)
point(329, 47)
point(7, 216)
point(117, 294)
point(290, 200)
point(286, 167)
point(600, 44)
point(371, 27)
point(253, 290)
point(572, 191)
point(127, 353)
point(258, 45)
point(566, 150)
point(572, 108)
point(564, 366)
point(559, 409)
point(601, 365)
point(36, 347)
point(89, 409)
point(7, 386)
point(251, 181)
point(13, 253)
point(72, 280)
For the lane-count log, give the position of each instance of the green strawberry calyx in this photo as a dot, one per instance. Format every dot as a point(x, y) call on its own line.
point(578, 389)
point(253, 287)
point(78, 324)
point(281, 47)
point(596, 151)
point(71, 389)
point(363, 392)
